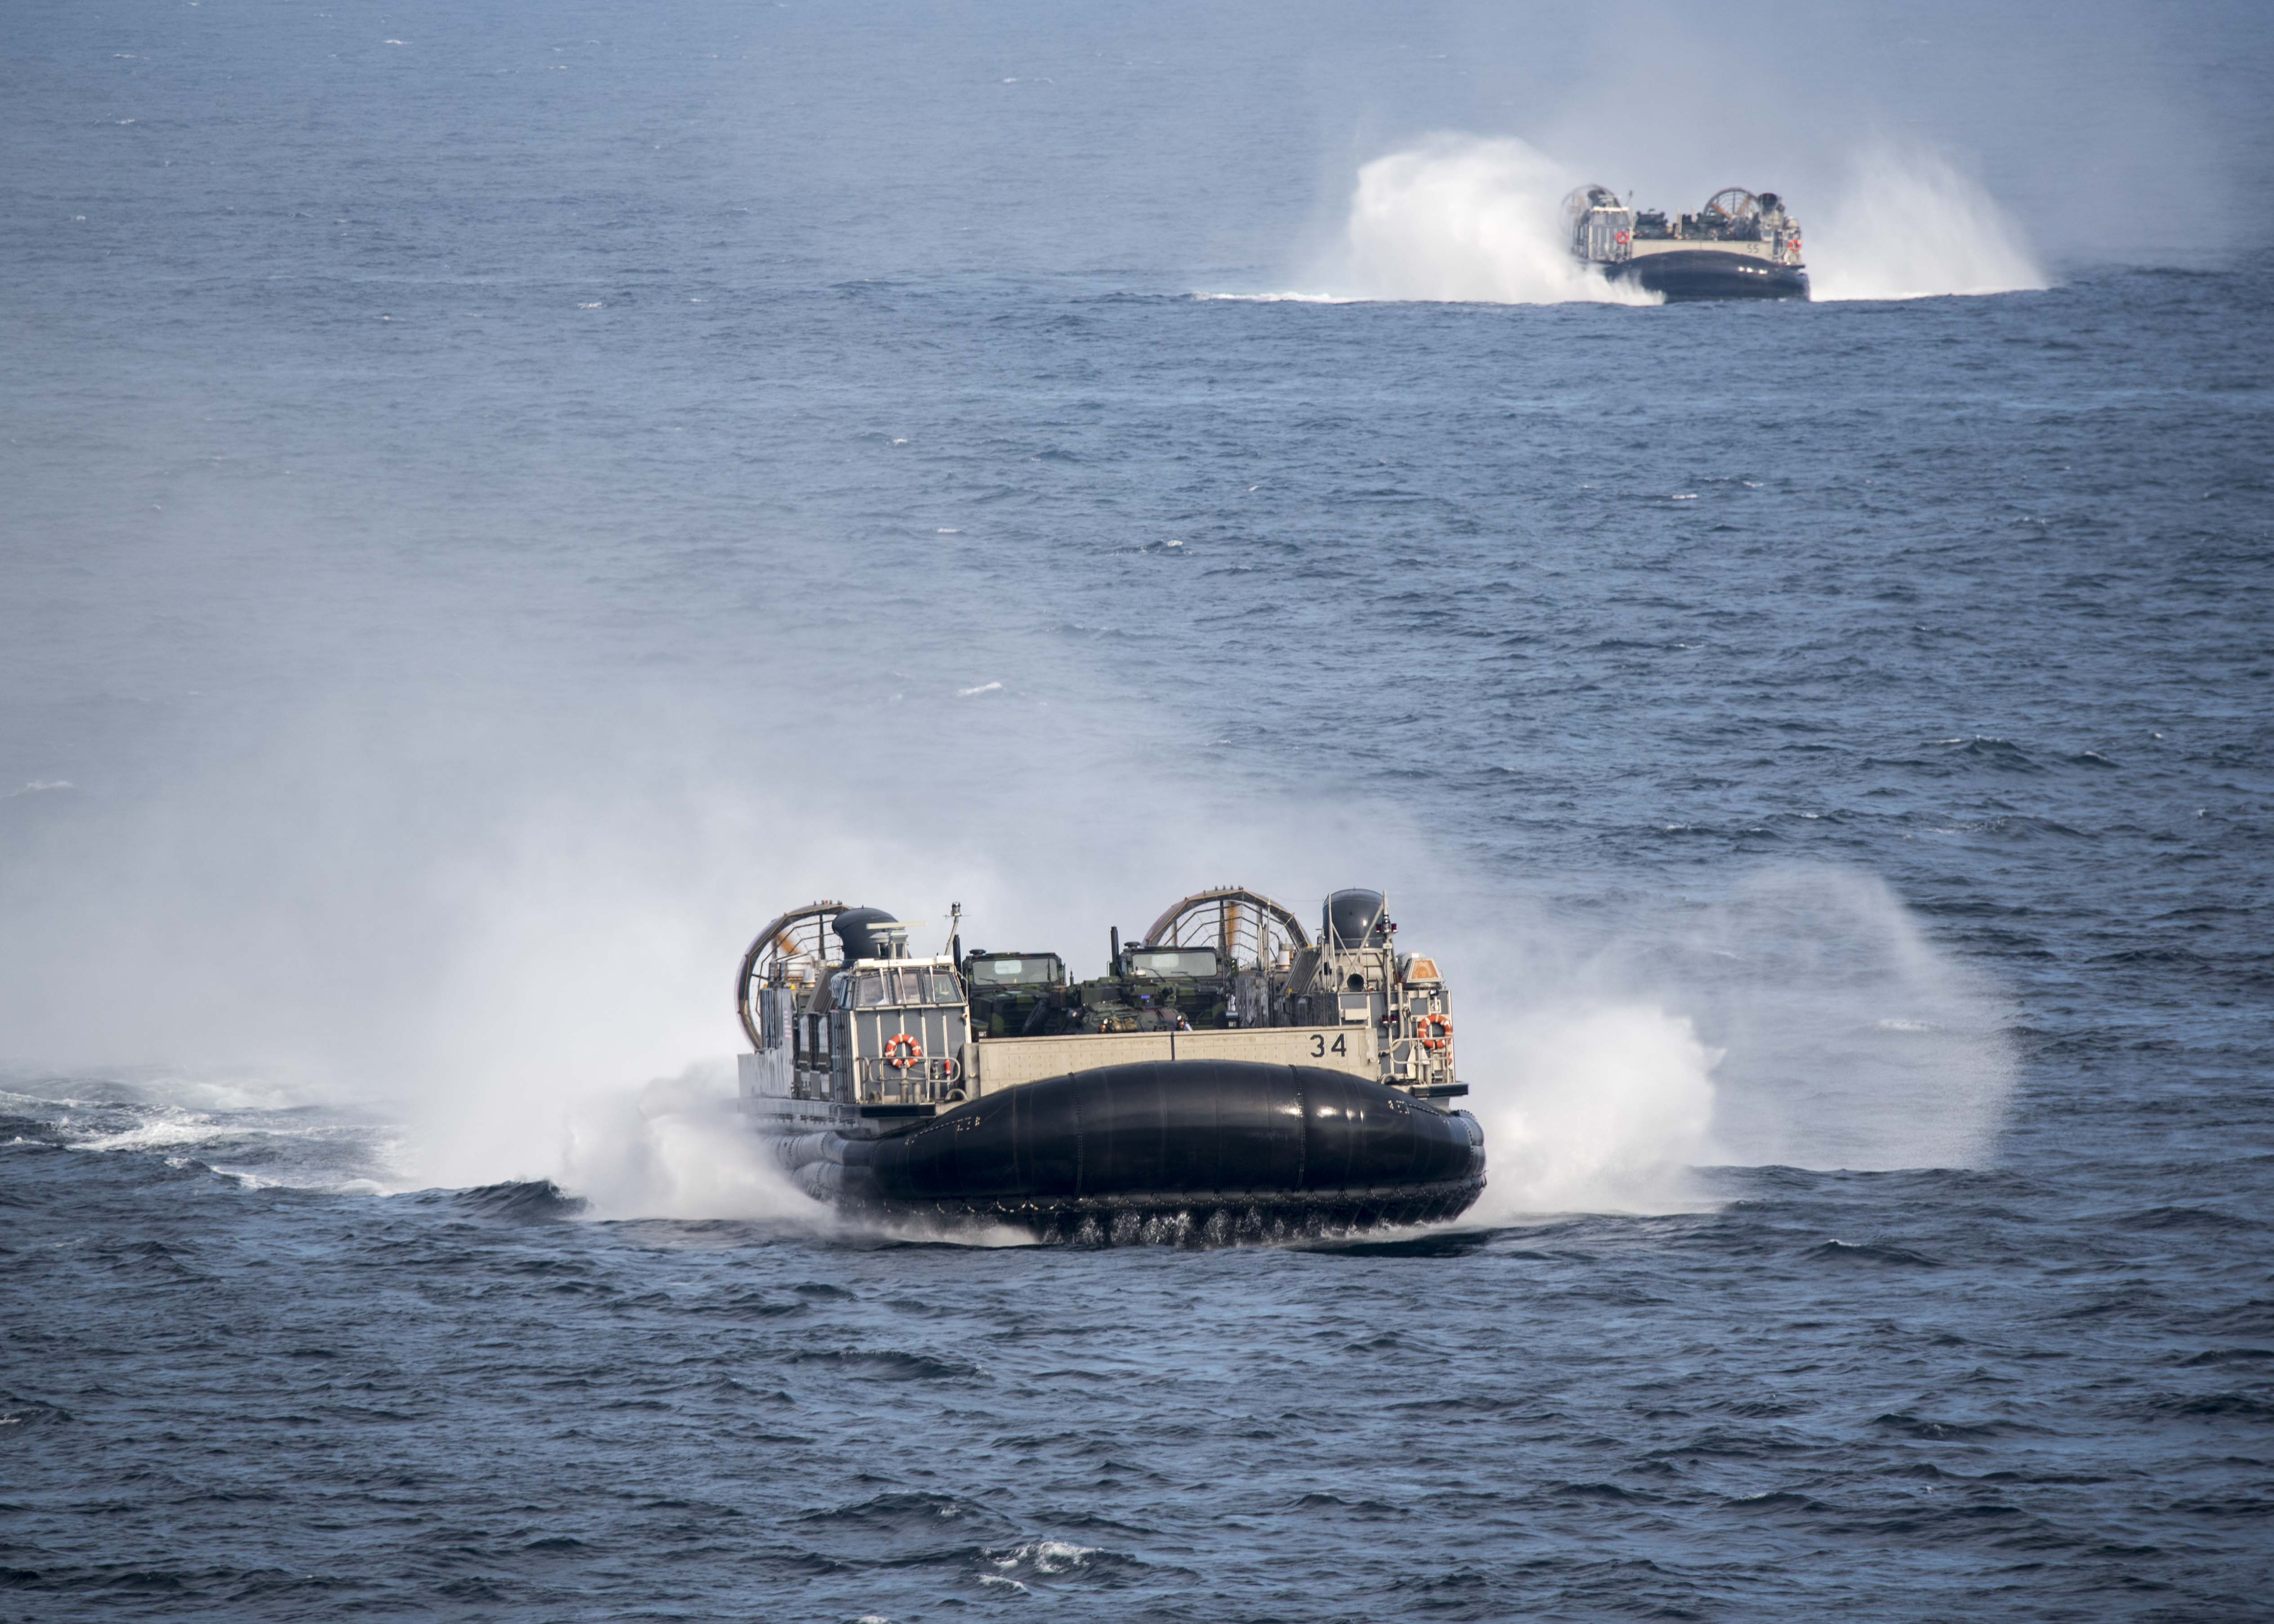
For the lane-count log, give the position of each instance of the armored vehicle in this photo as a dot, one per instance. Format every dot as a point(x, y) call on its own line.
point(1228, 1078)
point(1148, 988)
point(1017, 995)
point(1741, 245)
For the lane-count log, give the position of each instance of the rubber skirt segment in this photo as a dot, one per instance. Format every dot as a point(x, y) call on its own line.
point(1701, 274)
point(1179, 1134)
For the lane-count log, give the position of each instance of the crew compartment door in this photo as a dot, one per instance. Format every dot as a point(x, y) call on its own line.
point(1610, 234)
point(932, 1072)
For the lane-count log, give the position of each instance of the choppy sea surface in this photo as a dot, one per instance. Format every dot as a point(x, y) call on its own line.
point(489, 498)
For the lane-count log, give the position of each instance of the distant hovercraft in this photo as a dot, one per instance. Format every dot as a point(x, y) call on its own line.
point(1228, 1078)
point(1741, 245)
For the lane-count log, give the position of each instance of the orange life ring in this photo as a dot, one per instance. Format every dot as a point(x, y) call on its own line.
point(1619, 236)
point(901, 1049)
point(1435, 1031)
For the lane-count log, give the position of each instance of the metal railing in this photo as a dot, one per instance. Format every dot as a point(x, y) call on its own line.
point(1244, 927)
point(930, 1081)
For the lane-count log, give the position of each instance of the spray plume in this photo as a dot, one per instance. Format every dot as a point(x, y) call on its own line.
point(1463, 220)
point(540, 990)
point(1460, 218)
point(1908, 225)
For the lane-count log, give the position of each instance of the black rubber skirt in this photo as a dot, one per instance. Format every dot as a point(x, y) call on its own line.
point(1703, 274)
point(1204, 1150)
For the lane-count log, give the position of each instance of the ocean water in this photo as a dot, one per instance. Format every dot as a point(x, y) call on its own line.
point(497, 501)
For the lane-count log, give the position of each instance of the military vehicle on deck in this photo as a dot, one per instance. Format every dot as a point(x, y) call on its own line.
point(1017, 995)
point(1148, 988)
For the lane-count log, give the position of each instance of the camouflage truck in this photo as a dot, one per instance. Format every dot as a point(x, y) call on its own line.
point(1159, 989)
point(1019, 995)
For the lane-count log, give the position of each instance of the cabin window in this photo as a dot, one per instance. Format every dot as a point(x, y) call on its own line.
point(1041, 971)
point(940, 988)
point(894, 988)
point(922, 985)
point(1164, 961)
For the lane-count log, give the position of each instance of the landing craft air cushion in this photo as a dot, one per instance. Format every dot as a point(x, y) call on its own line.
point(1738, 246)
point(1227, 1079)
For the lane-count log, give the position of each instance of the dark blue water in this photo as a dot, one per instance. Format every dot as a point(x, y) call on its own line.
point(490, 519)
